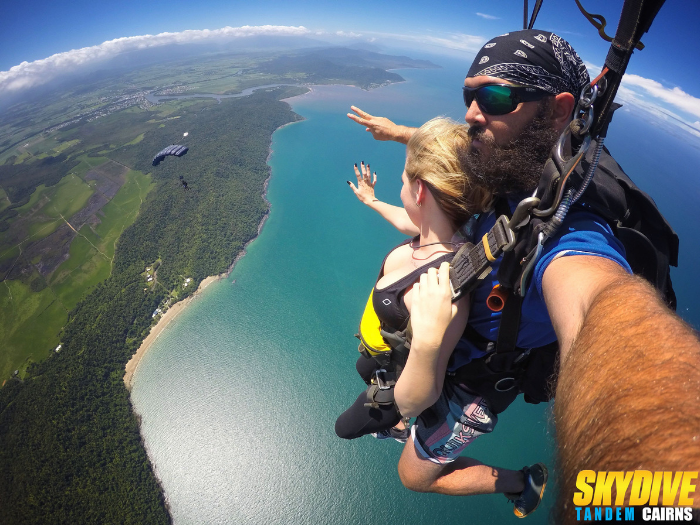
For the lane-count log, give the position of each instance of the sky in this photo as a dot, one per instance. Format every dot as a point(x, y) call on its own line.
point(40, 40)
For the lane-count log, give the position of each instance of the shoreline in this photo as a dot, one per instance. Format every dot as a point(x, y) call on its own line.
point(133, 363)
point(177, 308)
point(157, 329)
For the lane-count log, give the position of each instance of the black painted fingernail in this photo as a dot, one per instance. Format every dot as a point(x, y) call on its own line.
point(363, 162)
point(356, 164)
point(349, 183)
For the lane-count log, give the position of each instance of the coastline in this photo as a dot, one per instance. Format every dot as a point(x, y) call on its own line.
point(177, 308)
point(158, 328)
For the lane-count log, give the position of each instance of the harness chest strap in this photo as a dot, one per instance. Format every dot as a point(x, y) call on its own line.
point(472, 263)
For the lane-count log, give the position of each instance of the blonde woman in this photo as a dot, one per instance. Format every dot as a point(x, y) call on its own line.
point(439, 204)
point(437, 199)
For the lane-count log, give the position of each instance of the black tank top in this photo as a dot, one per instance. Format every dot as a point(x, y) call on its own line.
point(389, 302)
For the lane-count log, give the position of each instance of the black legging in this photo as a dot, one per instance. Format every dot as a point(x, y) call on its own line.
point(359, 420)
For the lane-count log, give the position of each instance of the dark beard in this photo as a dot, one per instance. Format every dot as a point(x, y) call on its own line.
point(517, 166)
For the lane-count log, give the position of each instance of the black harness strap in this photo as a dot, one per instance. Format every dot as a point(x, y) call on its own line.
point(472, 263)
point(535, 12)
point(635, 20)
point(510, 324)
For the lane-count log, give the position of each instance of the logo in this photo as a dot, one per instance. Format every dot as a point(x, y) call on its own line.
point(541, 38)
point(489, 46)
point(483, 60)
point(624, 496)
point(528, 44)
point(520, 53)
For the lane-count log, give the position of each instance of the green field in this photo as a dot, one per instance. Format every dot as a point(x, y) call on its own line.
point(30, 322)
point(4, 201)
point(29, 325)
point(91, 253)
point(136, 140)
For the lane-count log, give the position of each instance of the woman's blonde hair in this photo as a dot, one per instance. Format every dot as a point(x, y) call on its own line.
point(432, 155)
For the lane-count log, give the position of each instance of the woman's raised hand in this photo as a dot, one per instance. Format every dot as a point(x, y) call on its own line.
point(365, 183)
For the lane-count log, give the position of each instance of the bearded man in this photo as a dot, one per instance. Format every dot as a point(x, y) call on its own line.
point(520, 93)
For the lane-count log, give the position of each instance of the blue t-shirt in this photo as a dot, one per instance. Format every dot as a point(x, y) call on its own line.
point(582, 233)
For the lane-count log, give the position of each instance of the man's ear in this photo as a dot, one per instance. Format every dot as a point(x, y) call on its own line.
point(562, 108)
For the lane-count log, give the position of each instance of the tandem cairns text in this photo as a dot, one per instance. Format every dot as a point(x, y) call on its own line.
point(636, 496)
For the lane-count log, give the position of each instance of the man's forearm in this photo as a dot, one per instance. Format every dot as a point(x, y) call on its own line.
point(404, 134)
point(628, 396)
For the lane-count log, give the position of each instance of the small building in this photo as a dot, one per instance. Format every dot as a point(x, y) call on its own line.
point(58, 348)
point(149, 279)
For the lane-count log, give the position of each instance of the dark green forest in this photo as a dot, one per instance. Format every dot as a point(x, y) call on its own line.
point(71, 448)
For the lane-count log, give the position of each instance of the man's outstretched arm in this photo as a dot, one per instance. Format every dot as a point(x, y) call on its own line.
point(629, 381)
point(382, 128)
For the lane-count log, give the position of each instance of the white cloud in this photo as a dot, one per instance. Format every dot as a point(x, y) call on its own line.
point(673, 96)
point(29, 74)
point(450, 41)
point(350, 34)
point(487, 17)
point(658, 101)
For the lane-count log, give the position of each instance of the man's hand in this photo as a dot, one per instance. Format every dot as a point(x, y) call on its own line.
point(381, 128)
point(365, 184)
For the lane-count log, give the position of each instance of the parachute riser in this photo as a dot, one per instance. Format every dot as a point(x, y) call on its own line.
point(560, 166)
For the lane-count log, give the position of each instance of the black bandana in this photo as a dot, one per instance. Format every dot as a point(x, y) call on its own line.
point(532, 58)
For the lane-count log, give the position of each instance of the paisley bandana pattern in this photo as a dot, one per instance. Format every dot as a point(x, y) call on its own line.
point(532, 58)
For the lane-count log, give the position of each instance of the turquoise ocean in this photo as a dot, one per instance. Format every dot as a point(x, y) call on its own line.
point(239, 395)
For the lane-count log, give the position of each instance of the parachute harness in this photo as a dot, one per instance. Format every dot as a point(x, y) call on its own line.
point(472, 263)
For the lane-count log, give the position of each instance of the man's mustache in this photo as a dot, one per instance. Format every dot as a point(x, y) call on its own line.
point(474, 132)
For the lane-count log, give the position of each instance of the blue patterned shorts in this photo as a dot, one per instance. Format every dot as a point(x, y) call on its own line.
point(444, 430)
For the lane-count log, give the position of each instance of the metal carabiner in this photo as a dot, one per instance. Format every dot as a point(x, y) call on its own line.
point(584, 101)
point(559, 150)
point(566, 171)
point(525, 276)
point(381, 382)
point(521, 215)
point(587, 123)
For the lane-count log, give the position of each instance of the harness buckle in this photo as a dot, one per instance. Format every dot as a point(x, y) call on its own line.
point(381, 380)
point(509, 234)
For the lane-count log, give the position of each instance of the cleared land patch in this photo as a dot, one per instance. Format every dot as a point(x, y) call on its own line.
point(58, 248)
point(29, 325)
point(4, 201)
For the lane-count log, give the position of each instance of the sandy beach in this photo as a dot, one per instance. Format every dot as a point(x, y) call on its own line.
point(178, 307)
point(162, 323)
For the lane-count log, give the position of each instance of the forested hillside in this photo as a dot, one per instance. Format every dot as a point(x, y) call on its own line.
point(71, 449)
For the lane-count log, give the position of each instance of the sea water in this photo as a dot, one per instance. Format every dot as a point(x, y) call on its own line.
point(240, 393)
